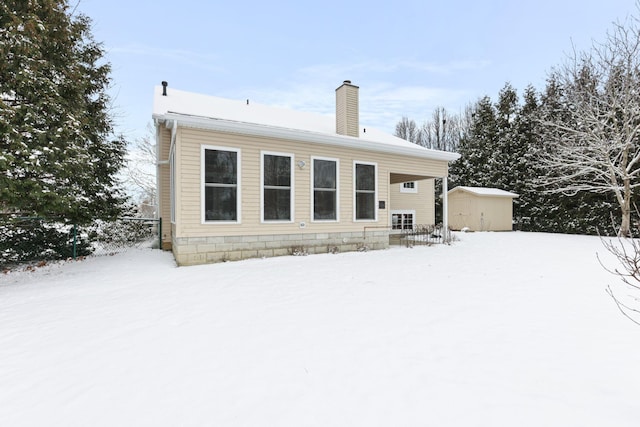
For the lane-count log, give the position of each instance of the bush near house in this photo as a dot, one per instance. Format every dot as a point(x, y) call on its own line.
point(45, 239)
point(30, 239)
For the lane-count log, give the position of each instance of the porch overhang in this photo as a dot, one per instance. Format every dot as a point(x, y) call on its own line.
point(398, 178)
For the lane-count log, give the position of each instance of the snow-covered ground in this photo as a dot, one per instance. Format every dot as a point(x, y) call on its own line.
point(498, 329)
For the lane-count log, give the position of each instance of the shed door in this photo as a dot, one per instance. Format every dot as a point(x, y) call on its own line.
point(459, 213)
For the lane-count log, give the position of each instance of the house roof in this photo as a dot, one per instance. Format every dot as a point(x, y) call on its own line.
point(241, 116)
point(485, 191)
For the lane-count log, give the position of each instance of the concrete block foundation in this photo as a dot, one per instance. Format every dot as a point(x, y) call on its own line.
point(203, 250)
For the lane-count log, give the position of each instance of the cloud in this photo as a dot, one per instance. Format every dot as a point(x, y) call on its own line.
point(178, 56)
point(395, 66)
point(385, 104)
point(387, 91)
point(445, 68)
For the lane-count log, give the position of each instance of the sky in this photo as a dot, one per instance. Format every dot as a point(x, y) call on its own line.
point(407, 58)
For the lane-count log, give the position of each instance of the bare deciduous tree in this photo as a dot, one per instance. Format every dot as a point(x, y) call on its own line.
point(592, 130)
point(140, 173)
point(627, 253)
point(442, 132)
point(407, 130)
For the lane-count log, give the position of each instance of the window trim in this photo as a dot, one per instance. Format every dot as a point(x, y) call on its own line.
point(413, 190)
point(291, 188)
point(375, 197)
point(203, 220)
point(312, 188)
point(411, 212)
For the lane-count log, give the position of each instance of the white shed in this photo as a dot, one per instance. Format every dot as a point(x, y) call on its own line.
point(481, 209)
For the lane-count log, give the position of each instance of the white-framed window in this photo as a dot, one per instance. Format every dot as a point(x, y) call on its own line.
point(365, 186)
point(276, 182)
point(409, 187)
point(402, 220)
point(325, 199)
point(220, 184)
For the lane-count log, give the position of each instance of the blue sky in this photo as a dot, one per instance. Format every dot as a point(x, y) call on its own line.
point(407, 57)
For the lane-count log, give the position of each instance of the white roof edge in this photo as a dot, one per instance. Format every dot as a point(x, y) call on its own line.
point(254, 129)
point(485, 191)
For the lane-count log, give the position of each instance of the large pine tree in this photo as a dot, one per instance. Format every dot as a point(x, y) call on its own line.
point(58, 152)
point(477, 147)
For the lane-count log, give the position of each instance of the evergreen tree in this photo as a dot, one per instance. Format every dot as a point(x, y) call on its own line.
point(505, 153)
point(576, 213)
point(58, 154)
point(476, 148)
point(526, 170)
point(501, 145)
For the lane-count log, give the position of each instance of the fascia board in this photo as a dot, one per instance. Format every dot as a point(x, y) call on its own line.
point(253, 129)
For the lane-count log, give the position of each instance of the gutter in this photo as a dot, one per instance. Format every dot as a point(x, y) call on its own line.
point(253, 129)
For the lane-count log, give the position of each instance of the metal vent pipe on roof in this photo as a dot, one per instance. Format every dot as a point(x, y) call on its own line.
point(164, 88)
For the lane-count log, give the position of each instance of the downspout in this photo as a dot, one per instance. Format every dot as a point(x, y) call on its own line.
point(174, 126)
point(174, 129)
point(159, 162)
point(156, 122)
point(445, 211)
point(174, 132)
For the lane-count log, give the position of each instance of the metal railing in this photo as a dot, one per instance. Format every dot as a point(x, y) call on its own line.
point(422, 235)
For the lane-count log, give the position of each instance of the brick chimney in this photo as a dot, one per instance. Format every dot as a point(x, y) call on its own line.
point(347, 110)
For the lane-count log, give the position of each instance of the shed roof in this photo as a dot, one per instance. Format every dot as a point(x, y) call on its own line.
point(241, 116)
point(484, 191)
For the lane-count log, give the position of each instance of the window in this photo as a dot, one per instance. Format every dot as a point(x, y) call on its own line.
point(276, 187)
point(402, 220)
point(409, 187)
point(365, 191)
point(221, 172)
point(325, 189)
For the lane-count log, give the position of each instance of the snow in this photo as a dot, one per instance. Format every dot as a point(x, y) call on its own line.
point(485, 191)
point(496, 329)
point(183, 102)
point(274, 118)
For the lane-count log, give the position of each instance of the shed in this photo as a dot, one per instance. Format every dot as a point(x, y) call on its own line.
point(481, 209)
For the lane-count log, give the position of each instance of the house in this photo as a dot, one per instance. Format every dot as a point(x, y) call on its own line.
point(481, 209)
point(239, 180)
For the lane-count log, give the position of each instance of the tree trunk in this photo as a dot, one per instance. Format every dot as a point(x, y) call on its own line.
point(625, 225)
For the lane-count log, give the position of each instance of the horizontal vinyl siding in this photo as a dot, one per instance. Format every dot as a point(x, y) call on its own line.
point(352, 112)
point(164, 199)
point(422, 201)
point(191, 141)
point(347, 110)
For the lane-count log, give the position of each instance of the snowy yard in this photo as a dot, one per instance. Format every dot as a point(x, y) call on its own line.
point(499, 329)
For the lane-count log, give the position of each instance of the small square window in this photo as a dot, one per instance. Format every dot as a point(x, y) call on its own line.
point(409, 187)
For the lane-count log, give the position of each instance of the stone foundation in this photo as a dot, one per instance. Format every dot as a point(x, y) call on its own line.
point(203, 250)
